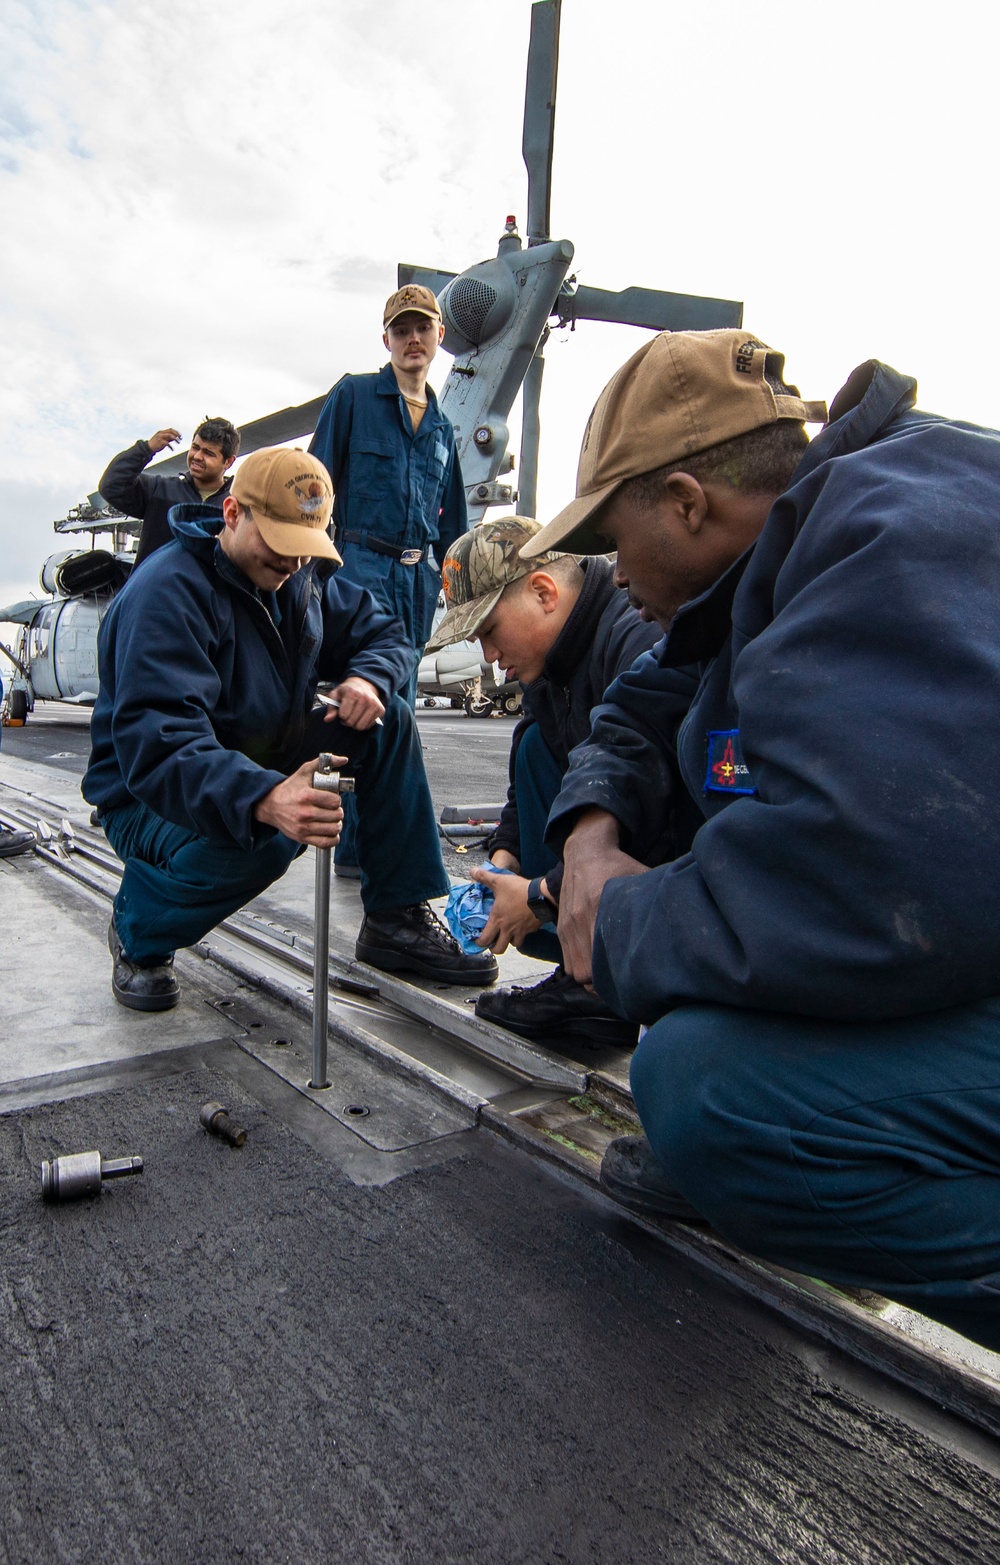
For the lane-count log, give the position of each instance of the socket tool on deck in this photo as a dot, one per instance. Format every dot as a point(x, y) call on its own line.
point(83, 1173)
point(215, 1118)
point(330, 781)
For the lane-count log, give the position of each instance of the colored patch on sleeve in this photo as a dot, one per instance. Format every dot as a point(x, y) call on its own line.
point(727, 772)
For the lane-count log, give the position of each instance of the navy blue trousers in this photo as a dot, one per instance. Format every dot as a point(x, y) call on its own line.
point(866, 1154)
point(537, 779)
point(346, 851)
point(177, 885)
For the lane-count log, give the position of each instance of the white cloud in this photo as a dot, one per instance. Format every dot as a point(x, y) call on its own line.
point(204, 206)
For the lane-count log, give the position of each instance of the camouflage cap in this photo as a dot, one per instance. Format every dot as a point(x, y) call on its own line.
point(480, 564)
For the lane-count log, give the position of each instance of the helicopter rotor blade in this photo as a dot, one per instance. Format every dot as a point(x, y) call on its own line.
point(272, 430)
point(540, 115)
point(649, 307)
point(425, 276)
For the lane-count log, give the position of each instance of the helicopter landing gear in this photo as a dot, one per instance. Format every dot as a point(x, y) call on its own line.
point(16, 708)
point(511, 703)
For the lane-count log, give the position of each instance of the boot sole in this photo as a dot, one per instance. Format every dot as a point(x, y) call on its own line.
point(145, 1002)
point(610, 1034)
point(648, 1203)
point(396, 962)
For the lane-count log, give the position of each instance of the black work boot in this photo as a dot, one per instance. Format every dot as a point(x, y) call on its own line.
point(558, 1007)
point(141, 988)
point(631, 1174)
point(413, 939)
point(14, 842)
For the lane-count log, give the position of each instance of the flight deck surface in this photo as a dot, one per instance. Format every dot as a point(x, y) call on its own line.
point(393, 1326)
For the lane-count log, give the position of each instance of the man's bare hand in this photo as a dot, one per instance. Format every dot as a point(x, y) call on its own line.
point(591, 858)
point(302, 812)
point(510, 920)
point(163, 437)
point(360, 705)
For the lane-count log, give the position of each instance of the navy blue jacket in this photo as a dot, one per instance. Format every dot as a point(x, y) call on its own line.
point(204, 693)
point(602, 637)
point(152, 496)
point(850, 662)
point(401, 487)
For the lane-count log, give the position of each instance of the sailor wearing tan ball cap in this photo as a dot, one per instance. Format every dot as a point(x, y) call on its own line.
point(206, 735)
point(817, 968)
point(277, 515)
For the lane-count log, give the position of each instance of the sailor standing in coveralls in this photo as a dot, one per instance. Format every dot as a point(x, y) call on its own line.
point(400, 500)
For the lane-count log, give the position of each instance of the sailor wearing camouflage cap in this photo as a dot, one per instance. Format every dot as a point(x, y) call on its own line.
point(560, 626)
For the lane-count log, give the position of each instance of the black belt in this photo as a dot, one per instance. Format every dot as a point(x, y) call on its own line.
point(376, 545)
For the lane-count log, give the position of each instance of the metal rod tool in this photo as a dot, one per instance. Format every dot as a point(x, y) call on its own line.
point(330, 781)
point(82, 1173)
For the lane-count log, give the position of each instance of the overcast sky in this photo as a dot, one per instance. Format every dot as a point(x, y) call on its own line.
point(204, 205)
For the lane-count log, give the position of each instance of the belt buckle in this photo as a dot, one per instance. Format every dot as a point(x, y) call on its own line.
point(411, 556)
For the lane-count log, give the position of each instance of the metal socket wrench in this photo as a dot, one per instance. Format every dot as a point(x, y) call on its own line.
point(216, 1119)
point(83, 1173)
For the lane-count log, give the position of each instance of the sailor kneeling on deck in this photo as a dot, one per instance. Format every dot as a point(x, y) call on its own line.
point(205, 738)
point(819, 972)
point(561, 627)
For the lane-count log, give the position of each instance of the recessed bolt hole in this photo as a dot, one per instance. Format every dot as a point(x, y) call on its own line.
point(255, 1024)
point(356, 1110)
point(225, 1004)
point(281, 1043)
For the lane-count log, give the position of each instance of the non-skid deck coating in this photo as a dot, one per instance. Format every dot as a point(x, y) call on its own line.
point(242, 1355)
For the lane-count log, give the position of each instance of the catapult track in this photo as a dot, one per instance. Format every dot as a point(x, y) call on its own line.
point(549, 1106)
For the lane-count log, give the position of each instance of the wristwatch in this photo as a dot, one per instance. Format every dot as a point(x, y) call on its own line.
point(539, 904)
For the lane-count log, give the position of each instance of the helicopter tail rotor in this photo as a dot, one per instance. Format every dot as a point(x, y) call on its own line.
point(653, 308)
point(540, 115)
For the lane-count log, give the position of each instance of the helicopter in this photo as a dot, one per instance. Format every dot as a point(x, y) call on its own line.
point(498, 315)
point(55, 655)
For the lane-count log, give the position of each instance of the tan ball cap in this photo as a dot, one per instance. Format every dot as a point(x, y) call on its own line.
point(414, 299)
point(290, 497)
point(681, 393)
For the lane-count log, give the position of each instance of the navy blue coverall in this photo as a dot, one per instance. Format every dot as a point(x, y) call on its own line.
point(820, 972)
point(391, 488)
point(205, 705)
point(399, 501)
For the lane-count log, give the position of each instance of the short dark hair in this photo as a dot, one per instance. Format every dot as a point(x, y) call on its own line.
point(220, 432)
point(760, 462)
point(565, 569)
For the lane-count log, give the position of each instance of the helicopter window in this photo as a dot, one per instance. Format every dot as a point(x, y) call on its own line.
point(41, 631)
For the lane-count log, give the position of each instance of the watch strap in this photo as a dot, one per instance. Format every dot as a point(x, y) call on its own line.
point(538, 903)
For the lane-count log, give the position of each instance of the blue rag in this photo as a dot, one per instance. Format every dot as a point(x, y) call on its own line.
point(467, 910)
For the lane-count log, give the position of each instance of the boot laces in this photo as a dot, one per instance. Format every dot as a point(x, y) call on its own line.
point(558, 979)
point(420, 913)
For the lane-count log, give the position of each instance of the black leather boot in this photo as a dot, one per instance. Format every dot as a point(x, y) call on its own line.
point(413, 939)
point(15, 842)
point(558, 1007)
point(631, 1175)
point(141, 988)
